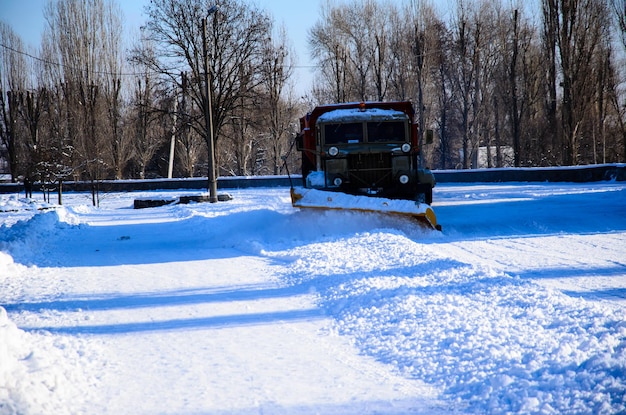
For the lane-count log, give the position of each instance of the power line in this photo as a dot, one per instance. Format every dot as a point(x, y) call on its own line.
point(60, 65)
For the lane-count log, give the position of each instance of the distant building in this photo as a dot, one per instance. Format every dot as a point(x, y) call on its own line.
point(480, 157)
point(4, 165)
point(486, 157)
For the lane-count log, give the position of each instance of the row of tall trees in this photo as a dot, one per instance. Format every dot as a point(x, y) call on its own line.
point(88, 107)
point(542, 86)
point(531, 87)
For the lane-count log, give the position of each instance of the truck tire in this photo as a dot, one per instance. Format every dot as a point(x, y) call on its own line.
point(425, 194)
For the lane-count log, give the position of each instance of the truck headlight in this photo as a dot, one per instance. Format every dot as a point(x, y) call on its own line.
point(337, 182)
point(333, 151)
point(406, 147)
point(404, 179)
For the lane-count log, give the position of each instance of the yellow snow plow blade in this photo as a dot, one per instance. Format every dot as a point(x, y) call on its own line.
point(319, 199)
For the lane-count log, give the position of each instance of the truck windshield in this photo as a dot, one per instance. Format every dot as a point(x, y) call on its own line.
point(392, 131)
point(343, 133)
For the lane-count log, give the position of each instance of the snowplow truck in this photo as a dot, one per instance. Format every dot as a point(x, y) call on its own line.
point(364, 156)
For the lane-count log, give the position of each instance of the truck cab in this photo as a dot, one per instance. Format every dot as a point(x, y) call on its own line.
point(367, 148)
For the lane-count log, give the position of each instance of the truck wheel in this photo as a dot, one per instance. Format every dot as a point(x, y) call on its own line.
point(428, 195)
point(425, 194)
point(307, 167)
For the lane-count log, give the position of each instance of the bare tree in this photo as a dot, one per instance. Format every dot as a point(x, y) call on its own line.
point(276, 71)
point(619, 13)
point(550, 35)
point(328, 43)
point(352, 43)
point(359, 25)
point(513, 76)
point(381, 36)
point(401, 79)
point(242, 138)
point(83, 38)
point(444, 96)
point(31, 107)
point(235, 35)
point(514, 90)
point(148, 138)
point(423, 50)
point(12, 83)
point(190, 147)
point(579, 28)
point(468, 43)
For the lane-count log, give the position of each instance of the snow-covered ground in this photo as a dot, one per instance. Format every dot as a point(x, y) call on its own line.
point(250, 306)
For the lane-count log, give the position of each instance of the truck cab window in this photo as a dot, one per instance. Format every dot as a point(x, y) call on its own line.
point(386, 131)
point(343, 133)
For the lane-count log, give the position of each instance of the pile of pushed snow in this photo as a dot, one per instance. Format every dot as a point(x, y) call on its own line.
point(41, 374)
point(495, 342)
point(14, 203)
point(42, 222)
point(337, 200)
point(26, 236)
point(6, 261)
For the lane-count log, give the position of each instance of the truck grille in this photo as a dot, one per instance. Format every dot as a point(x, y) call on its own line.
point(370, 170)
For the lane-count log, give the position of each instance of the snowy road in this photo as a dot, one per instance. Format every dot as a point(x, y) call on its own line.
point(250, 307)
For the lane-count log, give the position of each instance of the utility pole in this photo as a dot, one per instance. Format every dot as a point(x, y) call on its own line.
point(208, 112)
point(170, 168)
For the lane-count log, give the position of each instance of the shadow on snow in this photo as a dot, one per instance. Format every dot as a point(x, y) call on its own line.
point(227, 321)
point(160, 299)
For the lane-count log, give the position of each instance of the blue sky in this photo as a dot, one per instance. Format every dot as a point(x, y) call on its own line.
point(26, 19)
point(26, 16)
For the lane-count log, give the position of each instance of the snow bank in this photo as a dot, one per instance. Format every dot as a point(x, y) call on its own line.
point(39, 373)
point(13, 203)
point(42, 374)
point(28, 234)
